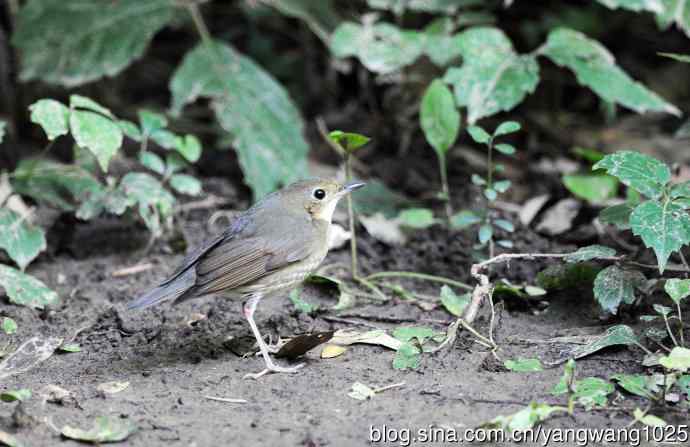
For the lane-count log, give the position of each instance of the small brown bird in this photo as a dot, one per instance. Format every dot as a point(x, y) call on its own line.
point(271, 247)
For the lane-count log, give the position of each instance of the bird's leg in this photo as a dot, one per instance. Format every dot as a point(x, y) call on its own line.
point(249, 308)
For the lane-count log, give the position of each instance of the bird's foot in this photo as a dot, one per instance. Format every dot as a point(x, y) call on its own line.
point(273, 368)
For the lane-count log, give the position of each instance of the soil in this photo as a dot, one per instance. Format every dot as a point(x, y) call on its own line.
point(173, 360)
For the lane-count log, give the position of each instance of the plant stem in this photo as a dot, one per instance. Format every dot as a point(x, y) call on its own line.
point(351, 218)
point(372, 287)
point(445, 189)
point(199, 23)
point(415, 275)
point(489, 162)
point(472, 331)
point(680, 318)
point(670, 333)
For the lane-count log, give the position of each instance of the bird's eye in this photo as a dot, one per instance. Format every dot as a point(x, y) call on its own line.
point(319, 194)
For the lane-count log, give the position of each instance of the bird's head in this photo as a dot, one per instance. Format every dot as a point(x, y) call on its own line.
point(318, 197)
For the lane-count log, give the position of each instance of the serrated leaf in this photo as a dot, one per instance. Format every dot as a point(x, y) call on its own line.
point(71, 43)
point(454, 304)
point(591, 187)
point(677, 289)
point(641, 172)
point(590, 252)
point(9, 326)
point(478, 134)
point(464, 219)
point(380, 47)
point(252, 106)
point(523, 365)
point(189, 146)
point(152, 161)
point(99, 134)
point(407, 357)
point(678, 359)
point(52, 116)
point(506, 128)
point(105, 429)
point(21, 240)
point(418, 218)
point(22, 394)
point(595, 67)
point(185, 184)
point(492, 78)
point(440, 119)
point(25, 290)
point(614, 286)
point(618, 215)
point(349, 141)
point(663, 227)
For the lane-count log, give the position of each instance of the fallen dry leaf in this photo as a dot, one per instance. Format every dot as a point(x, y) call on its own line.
point(330, 351)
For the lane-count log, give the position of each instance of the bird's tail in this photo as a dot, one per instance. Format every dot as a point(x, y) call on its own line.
point(165, 292)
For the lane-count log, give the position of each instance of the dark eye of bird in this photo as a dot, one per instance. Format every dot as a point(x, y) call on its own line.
point(319, 194)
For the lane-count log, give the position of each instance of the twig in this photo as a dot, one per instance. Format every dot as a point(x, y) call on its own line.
point(211, 201)
point(668, 328)
point(226, 399)
point(388, 387)
point(133, 270)
point(415, 275)
point(485, 341)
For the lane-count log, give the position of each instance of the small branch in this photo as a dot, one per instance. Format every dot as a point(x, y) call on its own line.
point(388, 387)
point(226, 399)
point(133, 270)
point(485, 341)
point(680, 330)
point(415, 275)
point(670, 333)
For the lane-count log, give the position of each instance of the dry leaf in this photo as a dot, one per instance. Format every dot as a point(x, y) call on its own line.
point(330, 351)
point(559, 218)
point(385, 230)
point(531, 208)
point(375, 337)
point(31, 353)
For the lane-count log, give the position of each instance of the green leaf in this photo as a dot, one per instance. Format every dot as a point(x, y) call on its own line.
point(321, 16)
point(22, 394)
point(165, 139)
point(648, 419)
point(185, 184)
point(505, 225)
point(615, 335)
point(52, 116)
point(683, 383)
point(641, 172)
point(618, 215)
point(595, 67)
point(153, 199)
point(663, 227)
point(253, 107)
point(502, 185)
point(418, 218)
point(592, 392)
point(440, 119)
point(453, 303)
point(492, 78)
point(485, 233)
point(680, 190)
point(152, 161)
point(662, 310)
point(567, 276)
point(449, 7)
point(506, 128)
point(678, 57)
point(105, 429)
point(678, 359)
point(594, 188)
point(638, 384)
point(655, 6)
point(300, 304)
point(71, 43)
point(130, 129)
point(525, 419)
point(464, 219)
point(590, 252)
point(677, 289)
point(590, 155)
point(407, 357)
point(614, 286)
point(83, 102)
point(69, 347)
point(349, 141)
point(21, 240)
point(505, 149)
point(675, 12)
point(174, 163)
point(25, 290)
point(523, 365)
point(490, 194)
point(151, 121)
point(9, 326)
point(478, 134)
point(99, 134)
point(441, 46)
point(189, 147)
point(380, 47)
point(110, 199)
point(3, 125)
point(407, 333)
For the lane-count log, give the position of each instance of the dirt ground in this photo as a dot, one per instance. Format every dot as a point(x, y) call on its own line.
point(171, 366)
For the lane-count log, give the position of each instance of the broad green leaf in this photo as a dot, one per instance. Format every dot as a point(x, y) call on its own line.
point(678, 359)
point(505, 225)
point(165, 139)
point(493, 78)
point(407, 357)
point(442, 46)
point(594, 188)
point(663, 227)
point(615, 335)
point(502, 185)
point(381, 47)
point(151, 121)
point(25, 290)
point(152, 161)
point(523, 365)
point(595, 67)
point(592, 392)
point(72, 43)
point(675, 12)
point(321, 16)
point(505, 149)
point(455, 304)
point(418, 218)
point(21, 394)
point(677, 289)
point(174, 163)
point(105, 429)
point(21, 240)
point(83, 102)
point(683, 383)
point(641, 172)
point(490, 194)
point(252, 106)
point(407, 333)
point(485, 233)
point(185, 184)
point(99, 134)
point(655, 6)
point(56, 184)
point(678, 57)
point(648, 419)
point(153, 199)
point(464, 219)
point(52, 116)
point(506, 128)
point(9, 326)
point(130, 129)
point(111, 199)
point(349, 141)
point(638, 384)
point(618, 215)
point(525, 419)
point(478, 134)
point(189, 147)
point(440, 119)
point(614, 286)
point(590, 252)
point(590, 155)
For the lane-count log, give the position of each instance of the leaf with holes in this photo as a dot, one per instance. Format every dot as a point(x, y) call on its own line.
point(645, 174)
point(21, 240)
point(614, 286)
point(439, 117)
point(663, 227)
point(25, 290)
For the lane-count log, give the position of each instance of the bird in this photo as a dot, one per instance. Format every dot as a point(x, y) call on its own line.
point(270, 248)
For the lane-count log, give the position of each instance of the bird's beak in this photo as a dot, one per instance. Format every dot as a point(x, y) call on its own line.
point(351, 186)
